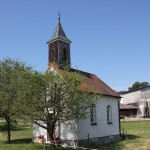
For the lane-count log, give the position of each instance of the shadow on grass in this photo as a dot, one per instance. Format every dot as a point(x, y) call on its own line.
point(129, 137)
point(22, 141)
point(3, 127)
point(19, 141)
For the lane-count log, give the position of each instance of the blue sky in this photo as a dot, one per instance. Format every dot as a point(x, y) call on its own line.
point(110, 38)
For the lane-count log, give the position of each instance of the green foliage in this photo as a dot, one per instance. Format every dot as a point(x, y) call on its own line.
point(11, 89)
point(138, 85)
point(55, 97)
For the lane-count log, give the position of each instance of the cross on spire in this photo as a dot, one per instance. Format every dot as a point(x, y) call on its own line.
point(59, 16)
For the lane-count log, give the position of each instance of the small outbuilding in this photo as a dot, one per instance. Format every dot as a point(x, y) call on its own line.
point(127, 111)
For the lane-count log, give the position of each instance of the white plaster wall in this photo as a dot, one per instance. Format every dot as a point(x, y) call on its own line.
point(145, 93)
point(122, 100)
point(102, 128)
point(37, 130)
point(68, 130)
point(72, 130)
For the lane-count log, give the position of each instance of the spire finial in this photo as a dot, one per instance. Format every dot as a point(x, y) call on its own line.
point(59, 16)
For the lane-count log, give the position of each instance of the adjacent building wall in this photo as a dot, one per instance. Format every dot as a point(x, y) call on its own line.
point(136, 96)
point(145, 93)
point(131, 97)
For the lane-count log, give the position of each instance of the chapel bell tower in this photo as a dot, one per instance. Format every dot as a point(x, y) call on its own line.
point(59, 47)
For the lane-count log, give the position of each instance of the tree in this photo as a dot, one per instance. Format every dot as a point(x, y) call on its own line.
point(11, 89)
point(138, 85)
point(56, 98)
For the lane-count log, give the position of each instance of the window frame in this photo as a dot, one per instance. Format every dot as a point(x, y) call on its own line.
point(109, 114)
point(93, 116)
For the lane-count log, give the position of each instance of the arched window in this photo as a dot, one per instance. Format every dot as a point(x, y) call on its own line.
point(109, 114)
point(93, 115)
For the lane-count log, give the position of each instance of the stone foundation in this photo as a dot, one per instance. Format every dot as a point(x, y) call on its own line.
point(69, 143)
point(99, 140)
point(92, 141)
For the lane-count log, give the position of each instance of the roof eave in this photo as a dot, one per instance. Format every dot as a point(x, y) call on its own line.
point(119, 97)
point(112, 95)
point(58, 39)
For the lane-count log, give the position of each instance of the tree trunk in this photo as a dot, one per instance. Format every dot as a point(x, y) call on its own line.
point(51, 136)
point(8, 131)
point(53, 146)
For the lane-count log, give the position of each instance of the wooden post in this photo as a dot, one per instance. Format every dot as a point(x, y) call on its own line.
point(126, 134)
point(88, 141)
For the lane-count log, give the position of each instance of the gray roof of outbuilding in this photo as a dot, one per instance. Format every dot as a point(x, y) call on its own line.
point(59, 34)
point(124, 106)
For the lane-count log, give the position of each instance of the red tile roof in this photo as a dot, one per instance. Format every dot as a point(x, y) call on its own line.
point(92, 83)
point(95, 84)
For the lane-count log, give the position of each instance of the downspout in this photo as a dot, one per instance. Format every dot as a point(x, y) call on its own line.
point(77, 140)
point(119, 117)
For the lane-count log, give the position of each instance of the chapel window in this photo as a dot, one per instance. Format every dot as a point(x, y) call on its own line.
point(109, 114)
point(93, 115)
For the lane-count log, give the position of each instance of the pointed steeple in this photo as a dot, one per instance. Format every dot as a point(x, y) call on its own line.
point(59, 47)
point(59, 34)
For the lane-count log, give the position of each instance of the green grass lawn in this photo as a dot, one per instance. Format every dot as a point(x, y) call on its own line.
point(21, 138)
point(136, 137)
